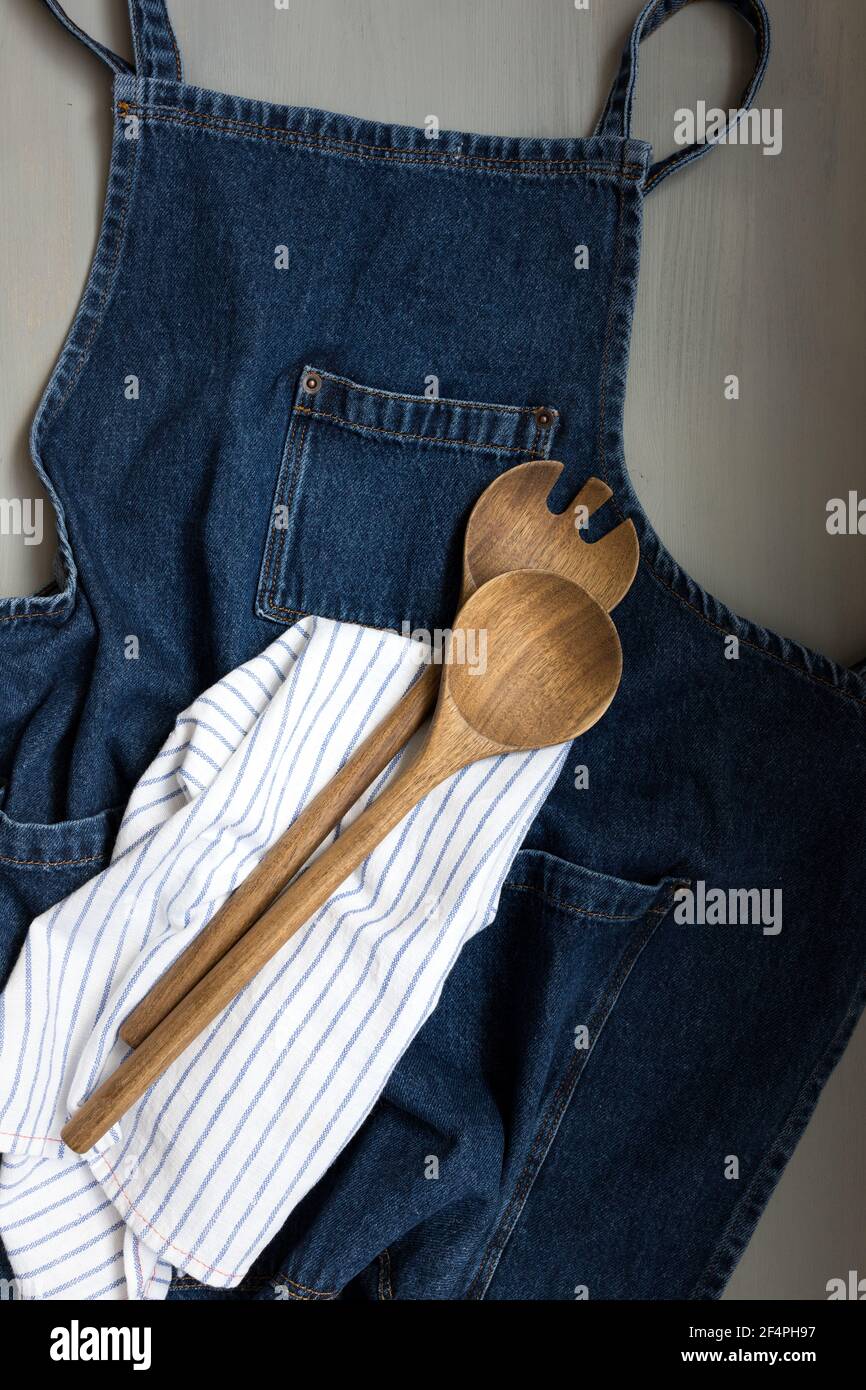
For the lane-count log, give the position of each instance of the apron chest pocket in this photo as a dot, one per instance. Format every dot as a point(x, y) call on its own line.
point(372, 499)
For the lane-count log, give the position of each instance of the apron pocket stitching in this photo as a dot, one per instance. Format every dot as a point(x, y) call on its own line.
point(551, 1117)
point(580, 911)
point(404, 434)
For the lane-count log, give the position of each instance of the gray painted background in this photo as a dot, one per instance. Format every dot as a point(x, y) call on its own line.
point(751, 265)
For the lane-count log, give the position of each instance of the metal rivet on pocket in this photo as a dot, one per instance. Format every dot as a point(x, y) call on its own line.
point(312, 383)
point(544, 417)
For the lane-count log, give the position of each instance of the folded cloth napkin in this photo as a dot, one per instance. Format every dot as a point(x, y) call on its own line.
point(204, 1170)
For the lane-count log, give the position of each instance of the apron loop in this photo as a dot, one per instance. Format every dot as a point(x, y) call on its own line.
point(616, 119)
point(156, 50)
point(155, 46)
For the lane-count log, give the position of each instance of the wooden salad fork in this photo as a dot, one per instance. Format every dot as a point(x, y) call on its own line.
point(554, 664)
point(510, 528)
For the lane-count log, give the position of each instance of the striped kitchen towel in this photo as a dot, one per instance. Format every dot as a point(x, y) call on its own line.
point(202, 1173)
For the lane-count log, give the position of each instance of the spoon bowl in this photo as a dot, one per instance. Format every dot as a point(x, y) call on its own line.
point(553, 662)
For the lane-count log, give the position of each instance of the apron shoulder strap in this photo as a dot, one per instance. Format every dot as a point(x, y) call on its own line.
point(154, 43)
point(617, 116)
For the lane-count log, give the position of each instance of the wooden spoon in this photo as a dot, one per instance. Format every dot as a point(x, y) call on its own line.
point(510, 528)
point(554, 664)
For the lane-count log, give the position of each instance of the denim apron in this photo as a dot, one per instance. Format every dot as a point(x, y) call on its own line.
point(307, 343)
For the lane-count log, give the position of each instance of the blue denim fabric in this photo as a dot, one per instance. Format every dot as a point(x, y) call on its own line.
point(300, 393)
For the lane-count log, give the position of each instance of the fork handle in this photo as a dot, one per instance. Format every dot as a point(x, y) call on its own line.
point(285, 857)
point(438, 759)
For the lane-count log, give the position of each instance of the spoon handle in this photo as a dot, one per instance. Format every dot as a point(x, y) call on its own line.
point(285, 857)
point(256, 947)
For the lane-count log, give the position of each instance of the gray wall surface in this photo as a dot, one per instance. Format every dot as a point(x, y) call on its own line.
point(751, 265)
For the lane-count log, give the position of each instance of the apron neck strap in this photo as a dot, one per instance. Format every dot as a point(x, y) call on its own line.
point(156, 50)
point(616, 119)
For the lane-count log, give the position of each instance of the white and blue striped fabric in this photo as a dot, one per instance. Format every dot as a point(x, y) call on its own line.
point(206, 1168)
